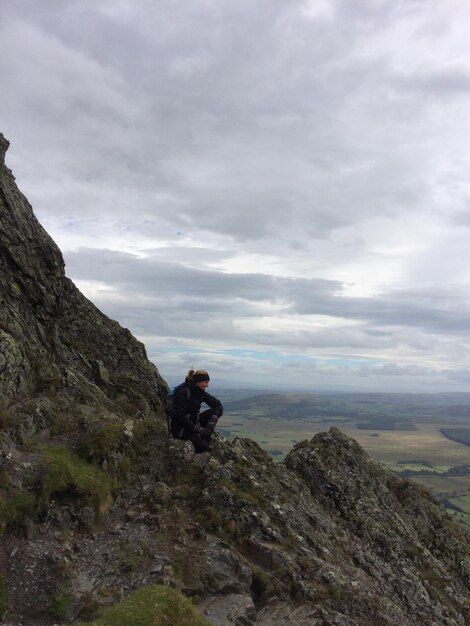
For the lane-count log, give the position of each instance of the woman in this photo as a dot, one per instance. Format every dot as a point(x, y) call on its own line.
point(187, 422)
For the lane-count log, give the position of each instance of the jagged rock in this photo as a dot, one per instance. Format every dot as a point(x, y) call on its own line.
point(229, 610)
point(161, 494)
point(277, 614)
point(326, 538)
point(181, 452)
point(225, 572)
point(54, 343)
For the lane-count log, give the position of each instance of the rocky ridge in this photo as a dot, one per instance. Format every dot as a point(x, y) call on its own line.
point(97, 501)
point(54, 342)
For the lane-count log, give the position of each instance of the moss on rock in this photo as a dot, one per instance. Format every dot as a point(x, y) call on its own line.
point(151, 606)
point(63, 472)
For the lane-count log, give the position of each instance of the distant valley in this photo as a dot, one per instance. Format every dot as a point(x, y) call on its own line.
point(425, 437)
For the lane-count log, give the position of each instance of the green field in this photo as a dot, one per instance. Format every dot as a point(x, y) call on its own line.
point(424, 452)
point(463, 515)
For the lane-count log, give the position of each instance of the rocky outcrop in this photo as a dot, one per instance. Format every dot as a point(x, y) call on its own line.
point(328, 538)
point(54, 343)
point(335, 537)
point(96, 501)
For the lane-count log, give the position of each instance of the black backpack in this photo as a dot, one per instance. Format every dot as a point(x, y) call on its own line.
point(169, 407)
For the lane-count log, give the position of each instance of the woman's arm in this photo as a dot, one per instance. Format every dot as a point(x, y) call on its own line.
point(213, 403)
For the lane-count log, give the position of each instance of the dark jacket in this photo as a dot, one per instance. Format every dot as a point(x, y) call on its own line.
point(187, 404)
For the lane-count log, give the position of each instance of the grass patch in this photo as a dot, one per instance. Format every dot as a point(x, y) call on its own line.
point(59, 606)
point(262, 585)
point(463, 514)
point(130, 557)
point(145, 434)
point(209, 518)
point(150, 606)
point(14, 509)
point(65, 424)
point(463, 502)
point(63, 473)
point(420, 467)
point(105, 442)
point(189, 482)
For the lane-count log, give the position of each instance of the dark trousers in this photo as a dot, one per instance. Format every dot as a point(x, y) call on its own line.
point(207, 420)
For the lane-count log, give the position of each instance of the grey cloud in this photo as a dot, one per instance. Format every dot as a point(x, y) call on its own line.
point(204, 139)
point(299, 133)
point(172, 285)
point(393, 369)
point(444, 83)
point(150, 277)
point(459, 375)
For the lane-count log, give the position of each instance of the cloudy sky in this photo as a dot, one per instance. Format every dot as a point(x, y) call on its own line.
point(274, 190)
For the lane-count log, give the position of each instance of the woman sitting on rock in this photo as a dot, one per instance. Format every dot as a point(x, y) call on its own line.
point(186, 421)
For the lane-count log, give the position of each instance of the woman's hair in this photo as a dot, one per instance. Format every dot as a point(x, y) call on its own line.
point(198, 376)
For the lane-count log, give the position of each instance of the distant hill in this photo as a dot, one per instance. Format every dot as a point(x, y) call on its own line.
point(380, 408)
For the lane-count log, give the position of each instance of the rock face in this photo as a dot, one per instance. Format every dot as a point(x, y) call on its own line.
point(53, 342)
point(97, 501)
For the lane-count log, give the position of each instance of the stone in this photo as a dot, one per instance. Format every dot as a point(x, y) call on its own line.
point(229, 610)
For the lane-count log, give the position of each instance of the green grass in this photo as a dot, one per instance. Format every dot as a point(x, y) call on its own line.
point(418, 467)
point(59, 606)
point(14, 509)
point(151, 606)
point(463, 503)
point(63, 472)
point(108, 439)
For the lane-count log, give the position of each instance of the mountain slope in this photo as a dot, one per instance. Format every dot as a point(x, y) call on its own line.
point(53, 340)
point(96, 501)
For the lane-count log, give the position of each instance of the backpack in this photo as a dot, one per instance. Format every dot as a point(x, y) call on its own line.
point(169, 407)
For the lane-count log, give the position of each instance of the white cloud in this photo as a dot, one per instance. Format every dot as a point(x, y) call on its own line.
point(287, 178)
